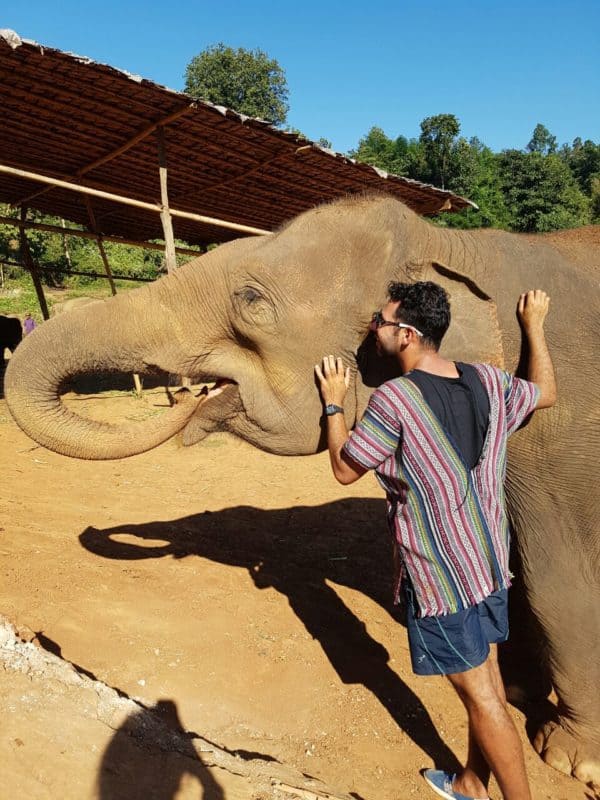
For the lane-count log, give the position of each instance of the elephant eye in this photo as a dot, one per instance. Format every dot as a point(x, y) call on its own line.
point(249, 294)
point(253, 307)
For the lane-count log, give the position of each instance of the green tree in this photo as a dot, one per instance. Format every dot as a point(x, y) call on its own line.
point(476, 175)
point(414, 156)
point(542, 141)
point(541, 188)
point(583, 159)
point(595, 199)
point(9, 236)
point(464, 166)
point(400, 156)
point(247, 81)
point(472, 171)
point(540, 192)
point(438, 138)
point(377, 149)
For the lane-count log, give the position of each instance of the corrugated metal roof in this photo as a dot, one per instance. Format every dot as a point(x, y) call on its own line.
point(63, 113)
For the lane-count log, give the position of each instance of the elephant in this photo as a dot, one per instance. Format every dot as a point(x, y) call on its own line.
point(11, 334)
point(255, 315)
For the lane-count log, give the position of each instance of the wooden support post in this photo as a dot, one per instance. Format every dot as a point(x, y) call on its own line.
point(107, 268)
point(100, 245)
point(64, 243)
point(138, 384)
point(31, 265)
point(136, 378)
point(165, 214)
point(165, 217)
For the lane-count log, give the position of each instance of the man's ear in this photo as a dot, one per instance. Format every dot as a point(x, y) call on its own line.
point(474, 333)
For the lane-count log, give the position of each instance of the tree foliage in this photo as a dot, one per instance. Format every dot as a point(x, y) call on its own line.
point(438, 138)
point(400, 156)
point(475, 174)
point(595, 201)
point(541, 192)
point(247, 81)
point(539, 188)
point(542, 141)
point(58, 255)
point(583, 159)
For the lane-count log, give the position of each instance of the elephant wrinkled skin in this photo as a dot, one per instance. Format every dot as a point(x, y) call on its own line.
point(256, 314)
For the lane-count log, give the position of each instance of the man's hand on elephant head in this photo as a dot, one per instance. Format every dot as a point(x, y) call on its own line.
point(334, 380)
point(533, 308)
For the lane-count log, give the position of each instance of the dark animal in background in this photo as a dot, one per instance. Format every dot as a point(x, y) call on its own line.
point(11, 334)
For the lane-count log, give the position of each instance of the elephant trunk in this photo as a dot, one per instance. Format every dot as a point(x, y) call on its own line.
point(128, 333)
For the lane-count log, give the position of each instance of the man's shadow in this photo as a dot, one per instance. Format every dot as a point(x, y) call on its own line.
point(137, 765)
point(297, 551)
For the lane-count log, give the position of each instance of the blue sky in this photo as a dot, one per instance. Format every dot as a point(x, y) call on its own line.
point(501, 67)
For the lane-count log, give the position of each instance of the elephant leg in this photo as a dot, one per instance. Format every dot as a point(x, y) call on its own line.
point(563, 591)
point(523, 658)
point(571, 753)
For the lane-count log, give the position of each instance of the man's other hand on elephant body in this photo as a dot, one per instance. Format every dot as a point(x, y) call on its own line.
point(436, 438)
point(532, 310)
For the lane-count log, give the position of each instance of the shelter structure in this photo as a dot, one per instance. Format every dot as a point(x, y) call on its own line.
point(134, 161)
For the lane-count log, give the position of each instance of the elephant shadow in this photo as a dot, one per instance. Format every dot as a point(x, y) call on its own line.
point(299, 551)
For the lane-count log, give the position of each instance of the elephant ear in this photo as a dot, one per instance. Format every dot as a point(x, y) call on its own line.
point(474, 333)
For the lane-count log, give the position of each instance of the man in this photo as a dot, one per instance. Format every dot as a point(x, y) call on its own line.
point(436, 438)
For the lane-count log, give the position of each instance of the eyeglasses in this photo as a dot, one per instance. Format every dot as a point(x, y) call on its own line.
point(378, 321)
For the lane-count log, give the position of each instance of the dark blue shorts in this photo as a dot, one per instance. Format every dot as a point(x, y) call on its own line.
point(455, 642)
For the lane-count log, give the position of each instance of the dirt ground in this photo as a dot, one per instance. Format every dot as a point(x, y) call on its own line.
point(228, 615)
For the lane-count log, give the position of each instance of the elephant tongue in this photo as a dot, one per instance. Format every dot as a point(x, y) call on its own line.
point(217, 388)
point(205, 393)
point(214, 405)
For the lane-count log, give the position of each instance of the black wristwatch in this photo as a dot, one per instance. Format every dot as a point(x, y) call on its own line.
point(332, 409)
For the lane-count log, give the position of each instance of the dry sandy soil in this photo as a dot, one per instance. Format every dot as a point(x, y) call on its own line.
point(227, 612)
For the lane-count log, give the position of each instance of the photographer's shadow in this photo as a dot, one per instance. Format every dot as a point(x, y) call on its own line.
point(138, 765)
point(297, 551)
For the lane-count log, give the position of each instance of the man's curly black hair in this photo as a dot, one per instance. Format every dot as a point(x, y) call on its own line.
point(424, 305)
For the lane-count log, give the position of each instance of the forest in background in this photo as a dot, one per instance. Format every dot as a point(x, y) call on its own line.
point(542, 187)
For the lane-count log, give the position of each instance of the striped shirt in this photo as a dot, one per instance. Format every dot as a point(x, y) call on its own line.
point(449, 522)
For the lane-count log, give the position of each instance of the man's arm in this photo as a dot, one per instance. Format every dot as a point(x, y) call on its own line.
point(334, 381)
point(532, 310)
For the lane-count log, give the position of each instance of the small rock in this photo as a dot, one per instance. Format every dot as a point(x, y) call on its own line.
point(5, 635)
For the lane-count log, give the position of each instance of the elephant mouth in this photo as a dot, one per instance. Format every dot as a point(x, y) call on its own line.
point(216, 405)
point(218, 388)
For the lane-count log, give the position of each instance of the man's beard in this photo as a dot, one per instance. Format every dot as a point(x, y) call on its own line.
point(383, 350)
